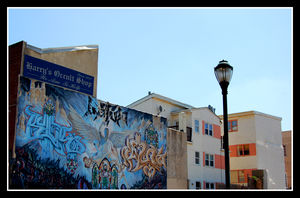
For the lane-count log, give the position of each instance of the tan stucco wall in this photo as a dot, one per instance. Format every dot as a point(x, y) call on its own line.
point(177, 160)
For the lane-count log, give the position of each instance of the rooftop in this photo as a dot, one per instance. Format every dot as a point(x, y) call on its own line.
point(251, 113)
point(61, 49)
point(154, 95)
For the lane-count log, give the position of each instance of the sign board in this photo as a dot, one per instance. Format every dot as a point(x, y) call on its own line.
point(58, 75)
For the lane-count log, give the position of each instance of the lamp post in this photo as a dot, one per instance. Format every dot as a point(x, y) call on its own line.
point(223, 72)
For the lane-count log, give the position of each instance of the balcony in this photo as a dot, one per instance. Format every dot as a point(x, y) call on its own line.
point(189, 131)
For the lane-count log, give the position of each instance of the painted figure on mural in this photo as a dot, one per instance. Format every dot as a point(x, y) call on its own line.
point(102, 139)
point(114, 178)
point(105, 177)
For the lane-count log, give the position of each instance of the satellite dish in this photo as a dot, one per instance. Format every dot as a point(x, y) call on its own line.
point(160, 109)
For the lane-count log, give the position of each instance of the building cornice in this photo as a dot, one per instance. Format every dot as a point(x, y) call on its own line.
point(61, 49)
point(161, 98)
point(250, 113)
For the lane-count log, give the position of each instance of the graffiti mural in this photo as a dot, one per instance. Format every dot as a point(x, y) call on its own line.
point(85, 143)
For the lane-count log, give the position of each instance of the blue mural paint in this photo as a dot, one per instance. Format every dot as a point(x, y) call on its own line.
point(93, 144)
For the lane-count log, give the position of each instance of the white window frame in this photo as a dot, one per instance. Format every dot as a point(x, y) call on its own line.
point(208, 129)
point(209, 160)
point(197, 126)
point(197, 158)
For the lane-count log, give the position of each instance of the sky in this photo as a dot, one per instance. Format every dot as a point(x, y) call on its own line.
point(173, 52)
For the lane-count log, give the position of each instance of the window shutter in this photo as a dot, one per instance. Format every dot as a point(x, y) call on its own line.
point(203, 127)
point(248, 173)
point(219, 161)
point(252, 148)
point(217, 131)
point(233, 150)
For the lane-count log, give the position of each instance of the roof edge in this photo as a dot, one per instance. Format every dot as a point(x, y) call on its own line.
point(61, 49)
point(154, 95)
point(194, 109)
point(249, 113)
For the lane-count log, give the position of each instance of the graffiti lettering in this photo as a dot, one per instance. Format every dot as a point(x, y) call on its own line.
point(137, 155)
point(42, 127)
point(106, 111)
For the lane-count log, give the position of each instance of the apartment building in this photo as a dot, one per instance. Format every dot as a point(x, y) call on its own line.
point(255, 143)
point(205, 158)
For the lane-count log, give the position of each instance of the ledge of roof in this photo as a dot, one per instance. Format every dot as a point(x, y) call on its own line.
point(249, 113)
point(154, 95)
point(61, 49)
point(194, 109)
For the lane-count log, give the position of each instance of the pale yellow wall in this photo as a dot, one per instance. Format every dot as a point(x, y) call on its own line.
point(246, 130)
point(245, 134)
point(247, 162)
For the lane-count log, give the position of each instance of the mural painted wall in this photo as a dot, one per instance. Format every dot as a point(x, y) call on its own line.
point(68, 140)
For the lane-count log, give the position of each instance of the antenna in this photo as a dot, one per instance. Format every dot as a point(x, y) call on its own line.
point(212, 108)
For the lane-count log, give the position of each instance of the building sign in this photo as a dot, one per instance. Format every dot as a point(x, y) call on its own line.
point(58, 75)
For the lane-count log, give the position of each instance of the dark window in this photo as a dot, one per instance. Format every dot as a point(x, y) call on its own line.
point(189, 134)
point(232, 125)
point(197, 157)
point(243, 150)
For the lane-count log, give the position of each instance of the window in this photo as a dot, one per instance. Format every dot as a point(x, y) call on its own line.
point(198, 185)
point(208, 129)
point(238, 176)
point(284, 150)
point(234, 177)
point(189, 134)
point(197, 158)
point(209, 160)
point(241, 176)
point(209, 185)
point(196, 125)
point(232, 125)
point(243, 150)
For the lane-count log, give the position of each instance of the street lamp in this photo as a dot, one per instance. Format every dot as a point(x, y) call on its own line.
point(223, 72)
